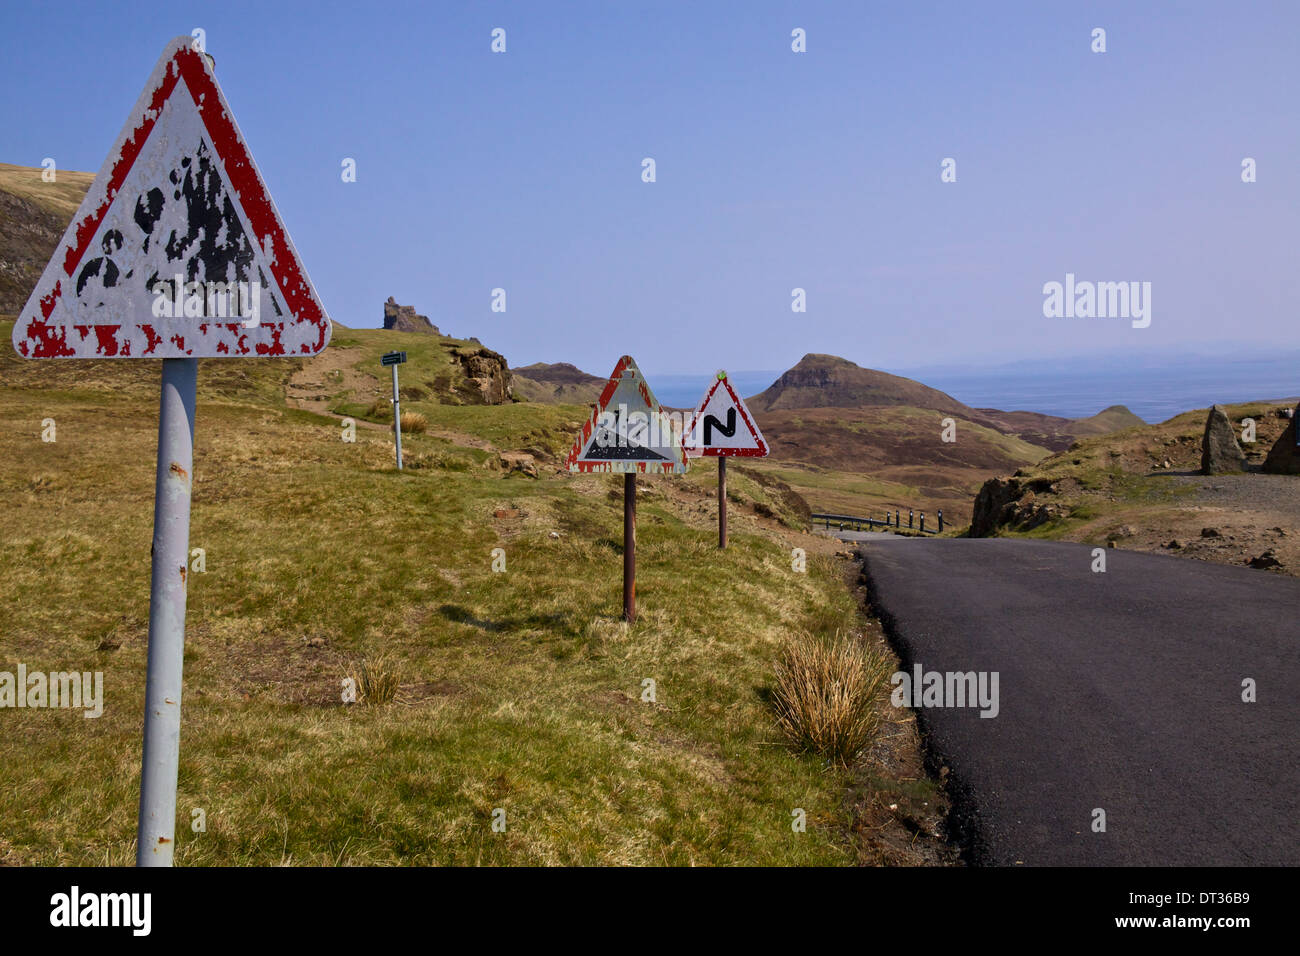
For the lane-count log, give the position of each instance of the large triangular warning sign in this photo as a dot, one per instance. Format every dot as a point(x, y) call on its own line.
point(177, 249)
point(628, 429)
point(722, 425)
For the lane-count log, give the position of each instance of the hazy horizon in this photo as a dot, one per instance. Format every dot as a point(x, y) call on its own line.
point(1154, 392)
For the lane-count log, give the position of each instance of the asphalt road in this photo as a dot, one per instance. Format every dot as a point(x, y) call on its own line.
point(1119, 690)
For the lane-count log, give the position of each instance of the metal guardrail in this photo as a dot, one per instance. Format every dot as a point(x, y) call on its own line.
point(857, 522)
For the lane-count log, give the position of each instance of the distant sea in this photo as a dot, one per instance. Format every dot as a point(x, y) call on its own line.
point(685, 390)
point(1154, 390)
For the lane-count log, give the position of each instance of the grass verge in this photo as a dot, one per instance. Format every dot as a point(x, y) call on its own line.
point(519, 689)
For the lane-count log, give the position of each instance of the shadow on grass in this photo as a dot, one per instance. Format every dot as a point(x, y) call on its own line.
point(557, 623)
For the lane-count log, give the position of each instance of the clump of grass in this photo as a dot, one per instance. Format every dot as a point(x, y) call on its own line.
point(455, 462)
point(42, 483)
point(380, 409)
point(826, 692)
point(414, 422)
point(376, 679)
point(443, 460)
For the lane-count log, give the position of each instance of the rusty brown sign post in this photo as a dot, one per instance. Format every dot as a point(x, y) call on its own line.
point(628, 432)
point(176, 252)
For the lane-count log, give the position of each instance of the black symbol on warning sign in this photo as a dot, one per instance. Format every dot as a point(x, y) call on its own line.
point(102, 267)
point(710, 423)
point(627, 452)
point(623, 444)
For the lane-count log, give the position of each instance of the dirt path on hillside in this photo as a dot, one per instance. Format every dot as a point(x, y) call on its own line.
point(327, 374)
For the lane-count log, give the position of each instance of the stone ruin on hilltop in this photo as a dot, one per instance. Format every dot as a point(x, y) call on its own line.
point(486, 378)
point(404, 318)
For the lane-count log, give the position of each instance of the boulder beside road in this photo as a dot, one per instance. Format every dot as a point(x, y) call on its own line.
point(1284, 457)
point(1220, 453)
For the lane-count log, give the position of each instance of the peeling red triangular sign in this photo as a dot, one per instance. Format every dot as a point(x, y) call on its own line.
point(628, 430)
point(177, 250)
point(722, 425)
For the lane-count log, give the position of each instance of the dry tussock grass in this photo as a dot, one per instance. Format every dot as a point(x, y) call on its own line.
point(376, 679)
point(414, 422)
point(826, 692)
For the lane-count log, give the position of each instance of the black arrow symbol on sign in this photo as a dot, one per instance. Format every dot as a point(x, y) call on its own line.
point(711, 423)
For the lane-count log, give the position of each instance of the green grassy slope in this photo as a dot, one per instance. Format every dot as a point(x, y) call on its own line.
point(519, 690)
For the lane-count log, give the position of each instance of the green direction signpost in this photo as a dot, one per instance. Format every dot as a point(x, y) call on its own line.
point(395, 359)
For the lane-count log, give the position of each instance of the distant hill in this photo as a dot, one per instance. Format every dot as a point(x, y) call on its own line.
point(833, 425)
point(1058, 433)
point(827, 381)
point(560, 383)
point(1112, 419)
point(33, 215)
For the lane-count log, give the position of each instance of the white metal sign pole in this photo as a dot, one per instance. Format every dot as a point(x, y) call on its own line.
point(156, 836)
point(181, 121)
point(397, 418)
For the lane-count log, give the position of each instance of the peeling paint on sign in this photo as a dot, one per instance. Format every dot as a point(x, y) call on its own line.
point(177, 250)
point(628, 430)
point(722, 426)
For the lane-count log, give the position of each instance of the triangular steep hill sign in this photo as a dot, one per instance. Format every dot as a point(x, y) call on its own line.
point(628, 429)
point(177, 250)
point(722, 426)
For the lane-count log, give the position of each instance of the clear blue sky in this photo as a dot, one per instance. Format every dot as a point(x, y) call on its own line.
point(819, 170)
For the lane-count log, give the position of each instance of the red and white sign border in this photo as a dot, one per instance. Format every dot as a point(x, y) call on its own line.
point(589, 427)
point(36, 337)
point(760, 452)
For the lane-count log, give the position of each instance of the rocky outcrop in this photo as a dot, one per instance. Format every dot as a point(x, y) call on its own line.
point(1284, 457)
point(1013, 504)
point(487, 375)
point(1220, 453)
point(404, 318)
point(520, 461)
point(993, 502)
